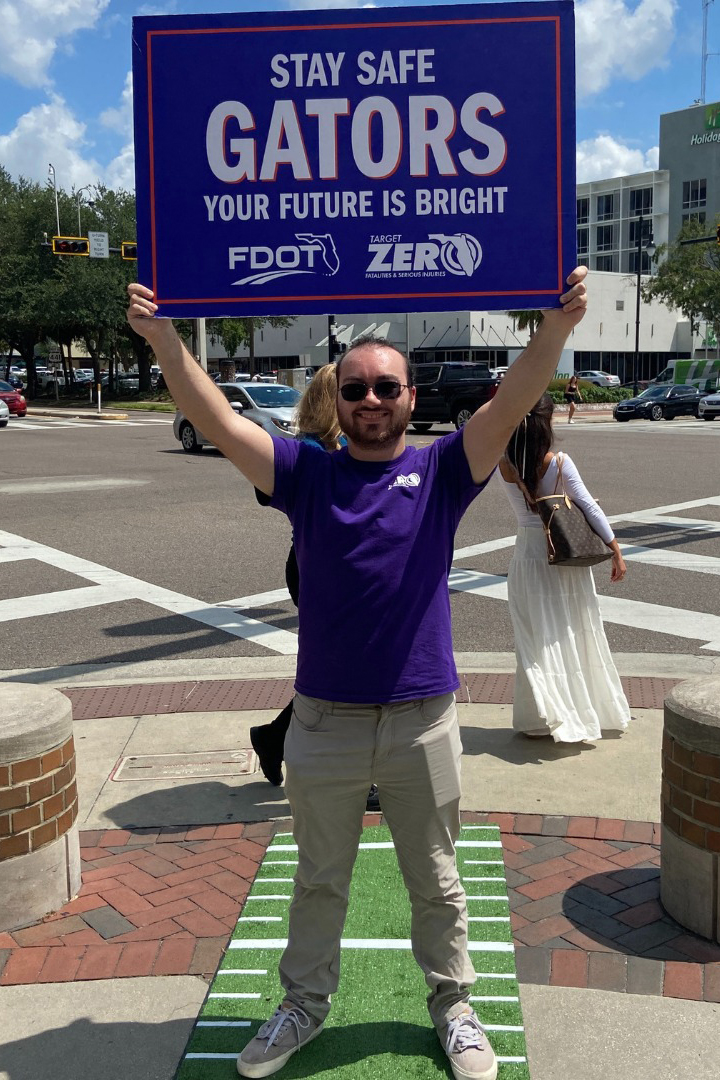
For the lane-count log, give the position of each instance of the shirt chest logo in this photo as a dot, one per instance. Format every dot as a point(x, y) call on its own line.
point(409, 481)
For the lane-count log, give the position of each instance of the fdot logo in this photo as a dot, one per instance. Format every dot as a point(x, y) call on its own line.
point(453, 253)
point(315, 254)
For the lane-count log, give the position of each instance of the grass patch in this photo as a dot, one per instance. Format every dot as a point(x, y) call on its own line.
point(378, 1028)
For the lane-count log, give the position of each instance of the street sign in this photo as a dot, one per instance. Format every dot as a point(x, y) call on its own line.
point(99, 245)
point(53, 356)
point(369, 159)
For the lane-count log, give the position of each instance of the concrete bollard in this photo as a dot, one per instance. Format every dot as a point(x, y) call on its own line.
point(39, 841)
point(690, 857)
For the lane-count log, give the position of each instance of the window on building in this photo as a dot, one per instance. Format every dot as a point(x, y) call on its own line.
point(619, 305)
point(582, 241)
point(606, 207)
point(583, 211)
point(604, 238)
point(645, 266)
point(606, 262)
point(636, 231)
point(641, 201)
point(697, 215)
point(694, 194)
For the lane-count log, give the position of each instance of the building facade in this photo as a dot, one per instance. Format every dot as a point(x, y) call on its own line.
point(690, 154)
point(612, 215)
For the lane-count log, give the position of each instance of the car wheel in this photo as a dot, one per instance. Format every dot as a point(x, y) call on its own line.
point(189, 440)
point(708, 416)
point(421, 428)
point(656, 413)
point(4, 423)
point(462, 415)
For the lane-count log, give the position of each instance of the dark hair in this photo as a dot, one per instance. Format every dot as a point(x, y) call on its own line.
point(529, 444)
point(368, 341)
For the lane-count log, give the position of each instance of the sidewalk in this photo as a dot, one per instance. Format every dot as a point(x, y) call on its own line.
point(168, 861)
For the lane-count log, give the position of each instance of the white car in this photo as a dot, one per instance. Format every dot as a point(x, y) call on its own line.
point(4, 414)
point(270, 406)
point(709, 407)
point(599, 378)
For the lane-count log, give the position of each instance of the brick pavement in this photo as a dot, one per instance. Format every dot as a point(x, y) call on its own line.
point(583, 895)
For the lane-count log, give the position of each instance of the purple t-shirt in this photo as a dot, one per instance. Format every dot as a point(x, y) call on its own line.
point(374, 544)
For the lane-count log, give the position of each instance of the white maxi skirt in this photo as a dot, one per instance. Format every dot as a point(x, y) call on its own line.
point(566, 679)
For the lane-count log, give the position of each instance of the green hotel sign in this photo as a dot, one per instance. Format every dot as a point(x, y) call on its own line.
point(712, 117)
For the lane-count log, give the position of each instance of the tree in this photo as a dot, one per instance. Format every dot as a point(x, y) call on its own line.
point(689, 278)
point(527, 320)
point(234, 333)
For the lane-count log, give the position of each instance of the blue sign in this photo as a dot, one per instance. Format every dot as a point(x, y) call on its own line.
point(383, 159)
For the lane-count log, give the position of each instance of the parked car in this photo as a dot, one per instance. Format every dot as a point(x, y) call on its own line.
point(660, 403)
point(14, 400)
point(270, 406)
point(4, 414)
point(599, 378)
point(450, 393)
point(709, 407)
point(15, 381)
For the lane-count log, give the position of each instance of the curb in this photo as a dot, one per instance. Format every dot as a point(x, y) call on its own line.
point(77, 414)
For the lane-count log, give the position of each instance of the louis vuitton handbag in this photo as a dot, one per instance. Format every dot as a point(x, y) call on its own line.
point(571, 540)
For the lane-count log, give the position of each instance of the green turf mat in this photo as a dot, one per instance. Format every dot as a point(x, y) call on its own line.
point(378, 1028)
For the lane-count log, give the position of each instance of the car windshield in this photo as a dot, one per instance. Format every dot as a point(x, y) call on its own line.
point(6, 388)
point(654, 392)
point(272, 395)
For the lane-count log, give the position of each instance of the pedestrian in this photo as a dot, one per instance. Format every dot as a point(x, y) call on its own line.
point(566, 684)
point(572, 395)
point(316, 422)
point(374, 526)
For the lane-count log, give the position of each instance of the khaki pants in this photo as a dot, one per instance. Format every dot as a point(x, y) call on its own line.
point(412, 750)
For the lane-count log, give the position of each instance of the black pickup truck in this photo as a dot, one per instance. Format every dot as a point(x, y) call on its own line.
point(450, 393)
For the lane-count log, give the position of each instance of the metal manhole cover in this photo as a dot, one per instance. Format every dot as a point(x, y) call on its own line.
point(184, 766)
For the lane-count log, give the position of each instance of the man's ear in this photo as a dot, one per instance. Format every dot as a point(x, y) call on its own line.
point(412, 399)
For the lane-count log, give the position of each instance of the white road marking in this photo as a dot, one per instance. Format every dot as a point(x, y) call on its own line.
point(368, 943)
point(76, 483)
point(124, 587)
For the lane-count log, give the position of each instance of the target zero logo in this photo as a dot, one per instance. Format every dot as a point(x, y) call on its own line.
point(440, 254)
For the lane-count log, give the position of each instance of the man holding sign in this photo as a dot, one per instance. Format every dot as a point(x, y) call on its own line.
point(374, 526)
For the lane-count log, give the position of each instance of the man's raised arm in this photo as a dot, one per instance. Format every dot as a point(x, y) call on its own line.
point(245, 444)
point(486, 434)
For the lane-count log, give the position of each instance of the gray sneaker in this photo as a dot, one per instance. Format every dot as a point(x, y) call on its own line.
point(466, 1044)
point(287, 1030)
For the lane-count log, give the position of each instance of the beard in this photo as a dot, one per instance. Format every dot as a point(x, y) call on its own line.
point(373, 436)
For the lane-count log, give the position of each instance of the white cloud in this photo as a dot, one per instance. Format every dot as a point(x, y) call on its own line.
point(604, 157)
point(52, 133)
point(31, 30)
point(614, 40)
point(121, 118)
point(49, 133)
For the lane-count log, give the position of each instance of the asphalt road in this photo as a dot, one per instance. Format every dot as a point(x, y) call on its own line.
point(125, 497)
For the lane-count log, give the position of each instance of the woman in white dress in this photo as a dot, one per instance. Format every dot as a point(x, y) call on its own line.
point(566, 684)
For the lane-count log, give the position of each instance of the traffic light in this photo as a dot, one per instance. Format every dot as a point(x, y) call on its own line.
point(70, 245)
point(129, 251)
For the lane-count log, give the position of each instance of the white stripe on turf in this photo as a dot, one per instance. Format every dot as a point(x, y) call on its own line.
point(387, 845)
point(260, 918)
point(210, 1057)
point(503, 1027)
point(367, 943)
point(467, 828)
point(280, 862)
point(223, 1023)
point(277, 880)
point(463, 878)
point(269, 896)
point(483, 862)
point(479, 843)
point(488, 918)
point(479, 897)
point(495, 975)
point(508, 1060)
point(233, 995)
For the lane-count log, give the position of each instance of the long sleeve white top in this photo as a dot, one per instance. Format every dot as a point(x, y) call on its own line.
point(574, 488)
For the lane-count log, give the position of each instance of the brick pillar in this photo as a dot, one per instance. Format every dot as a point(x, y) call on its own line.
point(39, 842)
point(690, 862)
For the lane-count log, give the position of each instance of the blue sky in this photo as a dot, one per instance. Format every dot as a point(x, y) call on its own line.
point(66, 94)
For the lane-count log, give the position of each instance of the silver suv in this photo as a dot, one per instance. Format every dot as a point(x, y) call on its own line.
point(269, 405)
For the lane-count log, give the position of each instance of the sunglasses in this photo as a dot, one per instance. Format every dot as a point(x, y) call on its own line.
point(384, 390)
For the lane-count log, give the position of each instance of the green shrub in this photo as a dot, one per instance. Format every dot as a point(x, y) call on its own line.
point(590, 393)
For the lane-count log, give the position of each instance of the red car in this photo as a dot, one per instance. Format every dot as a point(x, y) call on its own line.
point(14, 400)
